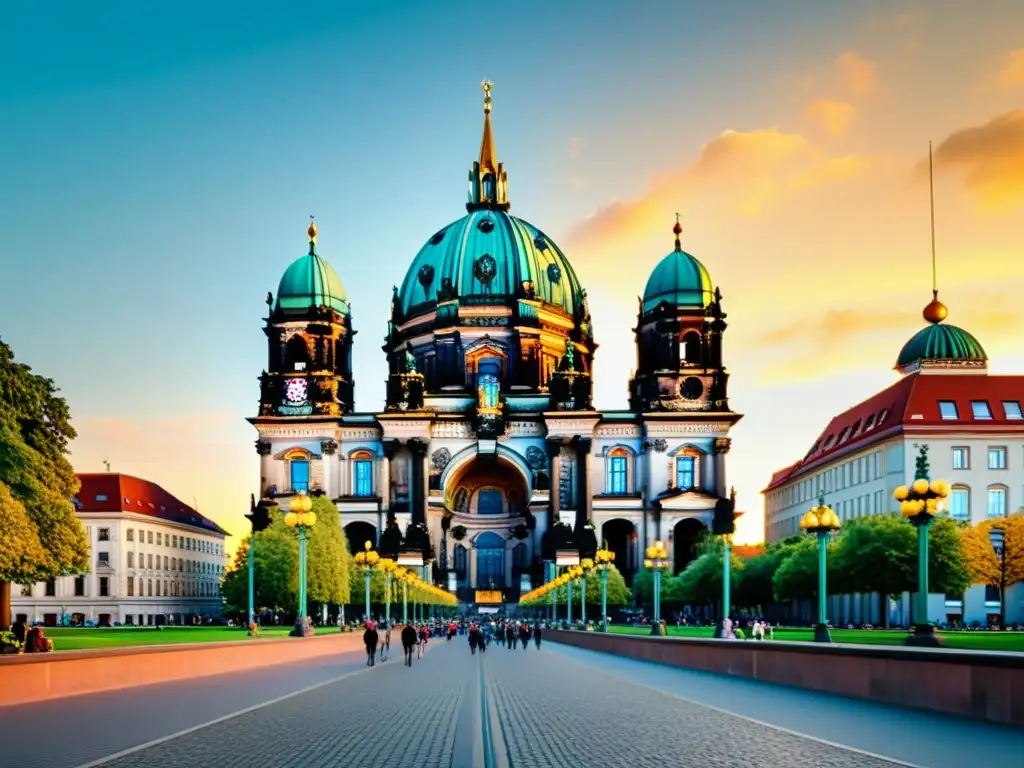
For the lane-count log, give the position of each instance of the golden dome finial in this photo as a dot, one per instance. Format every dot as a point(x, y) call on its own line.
point(677, 230)
point(312, 229)
point(487, 85)
point(936, 311)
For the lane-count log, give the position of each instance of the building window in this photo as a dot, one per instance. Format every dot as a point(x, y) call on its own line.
point(103, 534)
point(51, 588)
point(131, 559)
point(1012, 410)
point(159, 538)
point(362, 471)
point(149, 537)
point(980, 409)
point(960, 503)
point(149, 561)
point(961, 457)
point(103, 558)
point(489, 502)
point(997, 502)
point(947, 410)
point(997, 458)
point(617, 472)
point(131, 586)
point(685, 472)
point(130, 534)
point(300, 475)
point(79, 586)
point(104, 586)
point(991, 594)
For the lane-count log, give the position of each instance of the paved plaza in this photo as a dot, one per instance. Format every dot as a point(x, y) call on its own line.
point(528, 709)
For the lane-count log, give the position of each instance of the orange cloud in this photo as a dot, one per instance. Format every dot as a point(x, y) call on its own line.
point(739, 172)
point(1013, 70)
point(992, 155)
point(834, 117)
point(857, 73)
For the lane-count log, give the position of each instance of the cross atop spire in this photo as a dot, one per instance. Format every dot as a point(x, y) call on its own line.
point(678, 230)
point(487, 179)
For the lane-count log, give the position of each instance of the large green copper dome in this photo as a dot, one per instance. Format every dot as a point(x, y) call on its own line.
point(486, 257)
point(681, 280)
point(940, 342)
point(311, 282)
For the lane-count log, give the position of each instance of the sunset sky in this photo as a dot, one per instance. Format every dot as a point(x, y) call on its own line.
point(159, 168)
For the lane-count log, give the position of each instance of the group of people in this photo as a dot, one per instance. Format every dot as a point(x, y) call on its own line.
point(507, 633)
point(411, 636)
point(32, 639)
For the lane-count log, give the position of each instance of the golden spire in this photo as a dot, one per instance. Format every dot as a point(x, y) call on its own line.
point(311, 232)
point(488, 157)
point(936, 311)
point(678, 230)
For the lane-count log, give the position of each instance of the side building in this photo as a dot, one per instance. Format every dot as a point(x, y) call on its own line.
point(971, 422)
point(154, 560)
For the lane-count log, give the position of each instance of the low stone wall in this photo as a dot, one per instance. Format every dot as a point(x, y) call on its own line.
point(976, 684)
point(42, 676)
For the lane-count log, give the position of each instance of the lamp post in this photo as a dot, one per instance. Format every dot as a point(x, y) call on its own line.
point(997, 536)
point(604, 558)
point(919, 504)
point(821, 520)
point(301, 517)
point(586, 566)
point(403, 575)
point(656, 560)
point(388, 566)
point(366, 560)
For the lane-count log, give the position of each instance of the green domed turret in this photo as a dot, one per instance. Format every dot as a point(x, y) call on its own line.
point(311, 282)
point(940, 344)
point(679, 279)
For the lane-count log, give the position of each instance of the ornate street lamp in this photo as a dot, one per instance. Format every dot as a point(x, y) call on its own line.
point(366, 560)
point(586, 566)
point(574, 573)
point(603, 559)
point(997, 536)
point(821, 520)
point(919, 504)
point(388, 566)
point(301, 517)
point(656, 560)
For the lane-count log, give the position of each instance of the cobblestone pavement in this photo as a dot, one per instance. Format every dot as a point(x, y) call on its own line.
point(388, 717)
point(554, 713)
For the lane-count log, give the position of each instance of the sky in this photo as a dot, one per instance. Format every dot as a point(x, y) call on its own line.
point(160, 166)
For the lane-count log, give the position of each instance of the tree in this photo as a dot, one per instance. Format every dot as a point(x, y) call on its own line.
point(701, 582)
point(35, 432)
point(276, 569)
point(329, 575)
point(618, 592)
point(643, 586)
point(797, 576)
point(984, 566)
point(756, 588)
point(949, 568)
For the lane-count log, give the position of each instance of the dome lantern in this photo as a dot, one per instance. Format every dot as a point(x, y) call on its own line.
point(488, 182)
point(310, 282)
point(679, 280)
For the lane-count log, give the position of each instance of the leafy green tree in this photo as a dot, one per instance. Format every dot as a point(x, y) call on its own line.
point(329, 574)
point(643, 586)
point(701, 582)
point(276, 569)
point(46, 540)
point(949, 563)
point(618, 592)
point(797, 574)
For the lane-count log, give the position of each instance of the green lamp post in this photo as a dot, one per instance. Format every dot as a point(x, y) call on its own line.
point(821, 520)
point(657, 561)
point(586, 566)
point(919, 503)
point(301, 517)
point(388, 566)
point(603, 560)
point(366, 560)
point(572, 574)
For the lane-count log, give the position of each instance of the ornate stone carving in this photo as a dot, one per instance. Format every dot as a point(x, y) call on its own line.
point(456, 429)
point(439, 459)
point(565, 484)
point(328, 447)
point(686, 428)
point(722, 444)
point(658, 445)
point(263, 447)
point(536, 458)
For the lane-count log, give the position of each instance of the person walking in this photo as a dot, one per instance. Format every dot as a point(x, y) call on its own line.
point(536, 636)
point(421, 646)
point(408, 642)
point(370, 638)
point(385, 643)
point(510, 636)
point(474, 638)
point(524, 636)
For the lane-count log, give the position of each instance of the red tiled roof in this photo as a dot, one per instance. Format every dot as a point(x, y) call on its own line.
point(113, 492)
point(910, 403)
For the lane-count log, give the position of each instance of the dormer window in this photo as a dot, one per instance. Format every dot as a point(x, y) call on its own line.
point(829, 441)
point(948, 411)
point(869, 423)
point(980, 409)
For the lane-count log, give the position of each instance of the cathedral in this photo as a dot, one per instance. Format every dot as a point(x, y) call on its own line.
point(488, 456)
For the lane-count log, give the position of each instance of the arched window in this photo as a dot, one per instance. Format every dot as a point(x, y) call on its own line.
point(297, 354)
point(997, 501)
point(298, 469)
point(960, 503)
point(460, 561)
point(691, 351)
point(362, 473)
point(617, 481)
point(489, 501)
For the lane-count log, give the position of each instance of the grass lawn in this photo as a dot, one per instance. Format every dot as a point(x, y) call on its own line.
point(82, 638)
point(974, 641)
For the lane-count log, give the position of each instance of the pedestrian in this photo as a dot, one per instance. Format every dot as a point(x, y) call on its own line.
point(370, 641)
point(536, 635)
point(421, 646)
point(473, 639)
point(524, 636)
point(408, 642)
point(385, 642)
point(510, 636)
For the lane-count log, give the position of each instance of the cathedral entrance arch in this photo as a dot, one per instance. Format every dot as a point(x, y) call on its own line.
point(488, 485)
point(686, 537)
point(620, 537)
point(358, 532)
point(490, 560)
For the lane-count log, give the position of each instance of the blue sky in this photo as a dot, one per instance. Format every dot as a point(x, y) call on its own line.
point(159, 168)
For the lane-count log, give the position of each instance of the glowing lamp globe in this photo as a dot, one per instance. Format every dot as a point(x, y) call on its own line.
point(291, 519)
point(901, 493)
point(920, 486)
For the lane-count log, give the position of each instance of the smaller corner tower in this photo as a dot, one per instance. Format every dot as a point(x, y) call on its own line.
point(309, 342)
point(680, 324)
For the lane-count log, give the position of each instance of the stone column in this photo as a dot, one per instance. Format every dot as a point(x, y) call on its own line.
point(554, 448)
point(583, 499)
point(722, 445)
point(329, 450)
point(418, 479)
point(391, 448)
